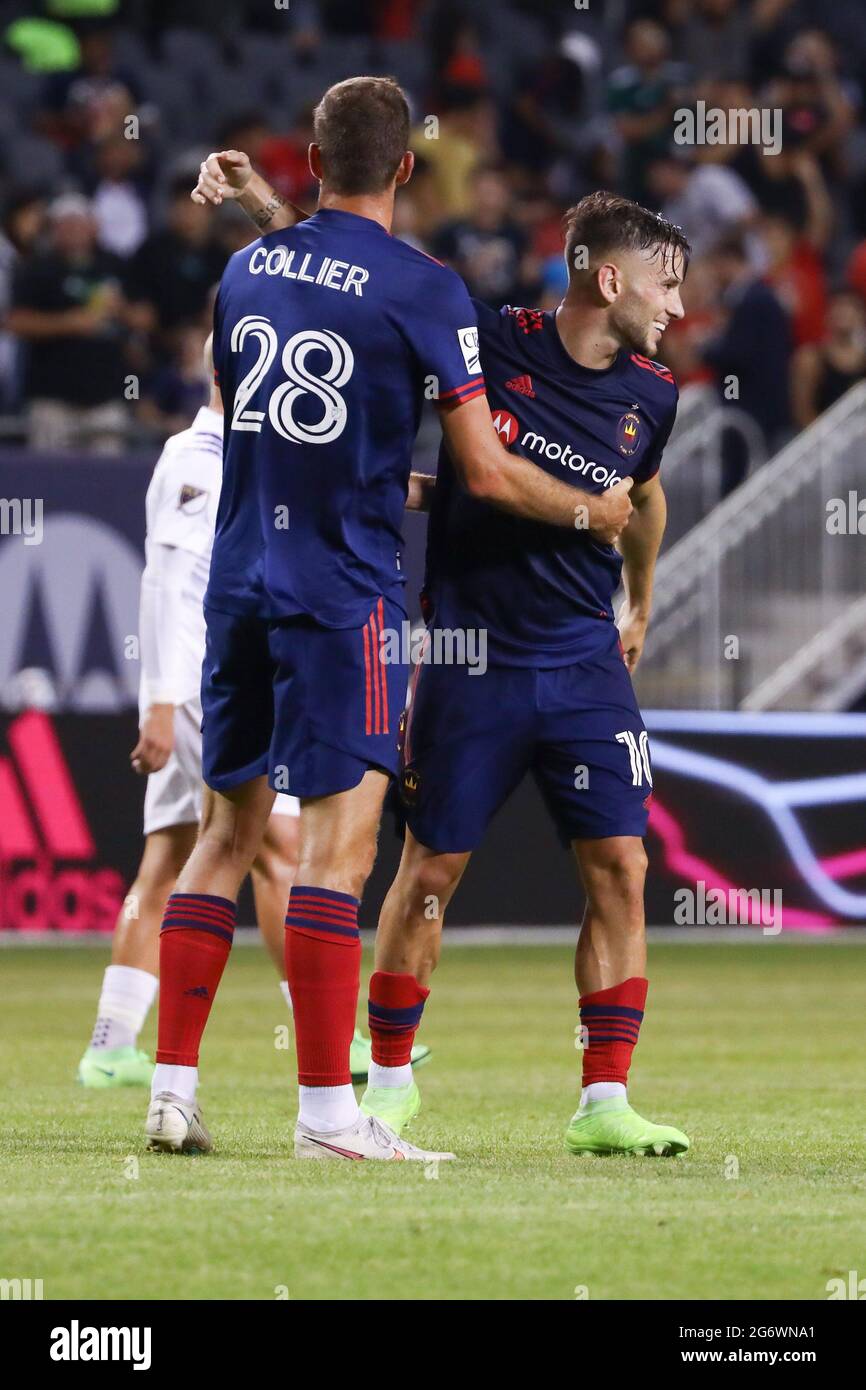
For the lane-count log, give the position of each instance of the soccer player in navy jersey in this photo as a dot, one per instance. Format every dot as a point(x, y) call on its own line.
point(579, 392)
point(327, 337)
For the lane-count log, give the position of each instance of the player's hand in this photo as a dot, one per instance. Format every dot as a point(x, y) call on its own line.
point(155, 740)
point(609, 511)
point(632, 624)
point(222, 176)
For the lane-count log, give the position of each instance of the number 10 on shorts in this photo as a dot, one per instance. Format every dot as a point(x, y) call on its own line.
point(638, 753)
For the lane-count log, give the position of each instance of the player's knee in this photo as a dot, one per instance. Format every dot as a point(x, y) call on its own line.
point(433, 881)
point(618, 868)
point(229, 841)
point(346, 871)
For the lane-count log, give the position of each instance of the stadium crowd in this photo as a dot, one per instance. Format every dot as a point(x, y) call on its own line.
point(107, 269)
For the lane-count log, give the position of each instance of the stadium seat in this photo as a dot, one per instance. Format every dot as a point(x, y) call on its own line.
point(38, 162)
point(190, 50)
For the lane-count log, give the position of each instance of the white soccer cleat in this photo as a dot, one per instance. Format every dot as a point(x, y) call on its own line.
point(176, 1126)
point(366, 1138)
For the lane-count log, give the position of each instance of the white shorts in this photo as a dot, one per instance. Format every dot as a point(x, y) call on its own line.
point(174, 794)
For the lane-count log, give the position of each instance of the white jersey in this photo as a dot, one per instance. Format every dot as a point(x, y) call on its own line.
point(181, 512)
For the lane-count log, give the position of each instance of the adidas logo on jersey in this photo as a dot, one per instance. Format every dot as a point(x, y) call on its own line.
point(523, 384)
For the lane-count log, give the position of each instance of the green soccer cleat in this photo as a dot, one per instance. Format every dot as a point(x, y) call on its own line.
point(114, 1066)
point(395, 1106)
point(612, 1127)
point(360, 1055)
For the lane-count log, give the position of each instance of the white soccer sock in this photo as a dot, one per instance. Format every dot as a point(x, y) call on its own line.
point(601, 1090)
point(327, 1108)
point(389, 1076)
point(287, 995)
point(127, 994)
point(180, 1081)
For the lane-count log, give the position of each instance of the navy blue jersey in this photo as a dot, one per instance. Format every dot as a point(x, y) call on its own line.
point(327, 338)
point(544, 593)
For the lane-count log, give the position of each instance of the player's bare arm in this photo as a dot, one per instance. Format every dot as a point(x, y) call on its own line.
point(228, 175)
point(508, 481)
point(420, 494)
point(639, 543)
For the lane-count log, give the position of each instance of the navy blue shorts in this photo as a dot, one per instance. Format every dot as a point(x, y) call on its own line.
point(313, 707)
point(469, 740)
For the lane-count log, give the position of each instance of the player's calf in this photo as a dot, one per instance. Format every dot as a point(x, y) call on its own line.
point(610, 962)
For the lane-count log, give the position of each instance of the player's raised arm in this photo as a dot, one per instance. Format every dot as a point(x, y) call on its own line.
point(228, 175)
point(492, 474)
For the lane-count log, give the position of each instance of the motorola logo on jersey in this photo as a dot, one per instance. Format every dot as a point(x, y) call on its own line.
point(564, 454)
point(506, 426)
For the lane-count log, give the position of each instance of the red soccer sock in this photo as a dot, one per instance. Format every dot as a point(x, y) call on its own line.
point(395, 1008)
point(194, 944)
point(323, 970)
point(611, 1019)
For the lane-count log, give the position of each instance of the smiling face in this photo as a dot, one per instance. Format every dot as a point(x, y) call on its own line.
point(643, 292)
point(626, 265)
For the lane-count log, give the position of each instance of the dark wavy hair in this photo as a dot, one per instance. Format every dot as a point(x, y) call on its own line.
point(605, 222)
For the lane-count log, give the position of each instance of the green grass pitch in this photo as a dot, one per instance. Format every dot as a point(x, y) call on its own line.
point(756, 1051)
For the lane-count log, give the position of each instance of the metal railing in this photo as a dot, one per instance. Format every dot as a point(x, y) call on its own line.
point(763, 575)
point(692, 467)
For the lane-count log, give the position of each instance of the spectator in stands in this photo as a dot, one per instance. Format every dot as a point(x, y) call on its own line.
point(118, 200)
point(459, 49)
point(407, 223)
point(822, 372)
point(171, 275)
point(171, 397)
point(714, 40)
point(708, 199)
point(233, 229)
point(486, 247)
point(750, 355)
point(92, 101)
point(68, 307)
point(554, 121)
point(855, 271)
point(642, 97)
point(684, 338)
point(22, 225)
point(796, 272)
point(453, 143)
point(281, 158)
point(819, 112)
